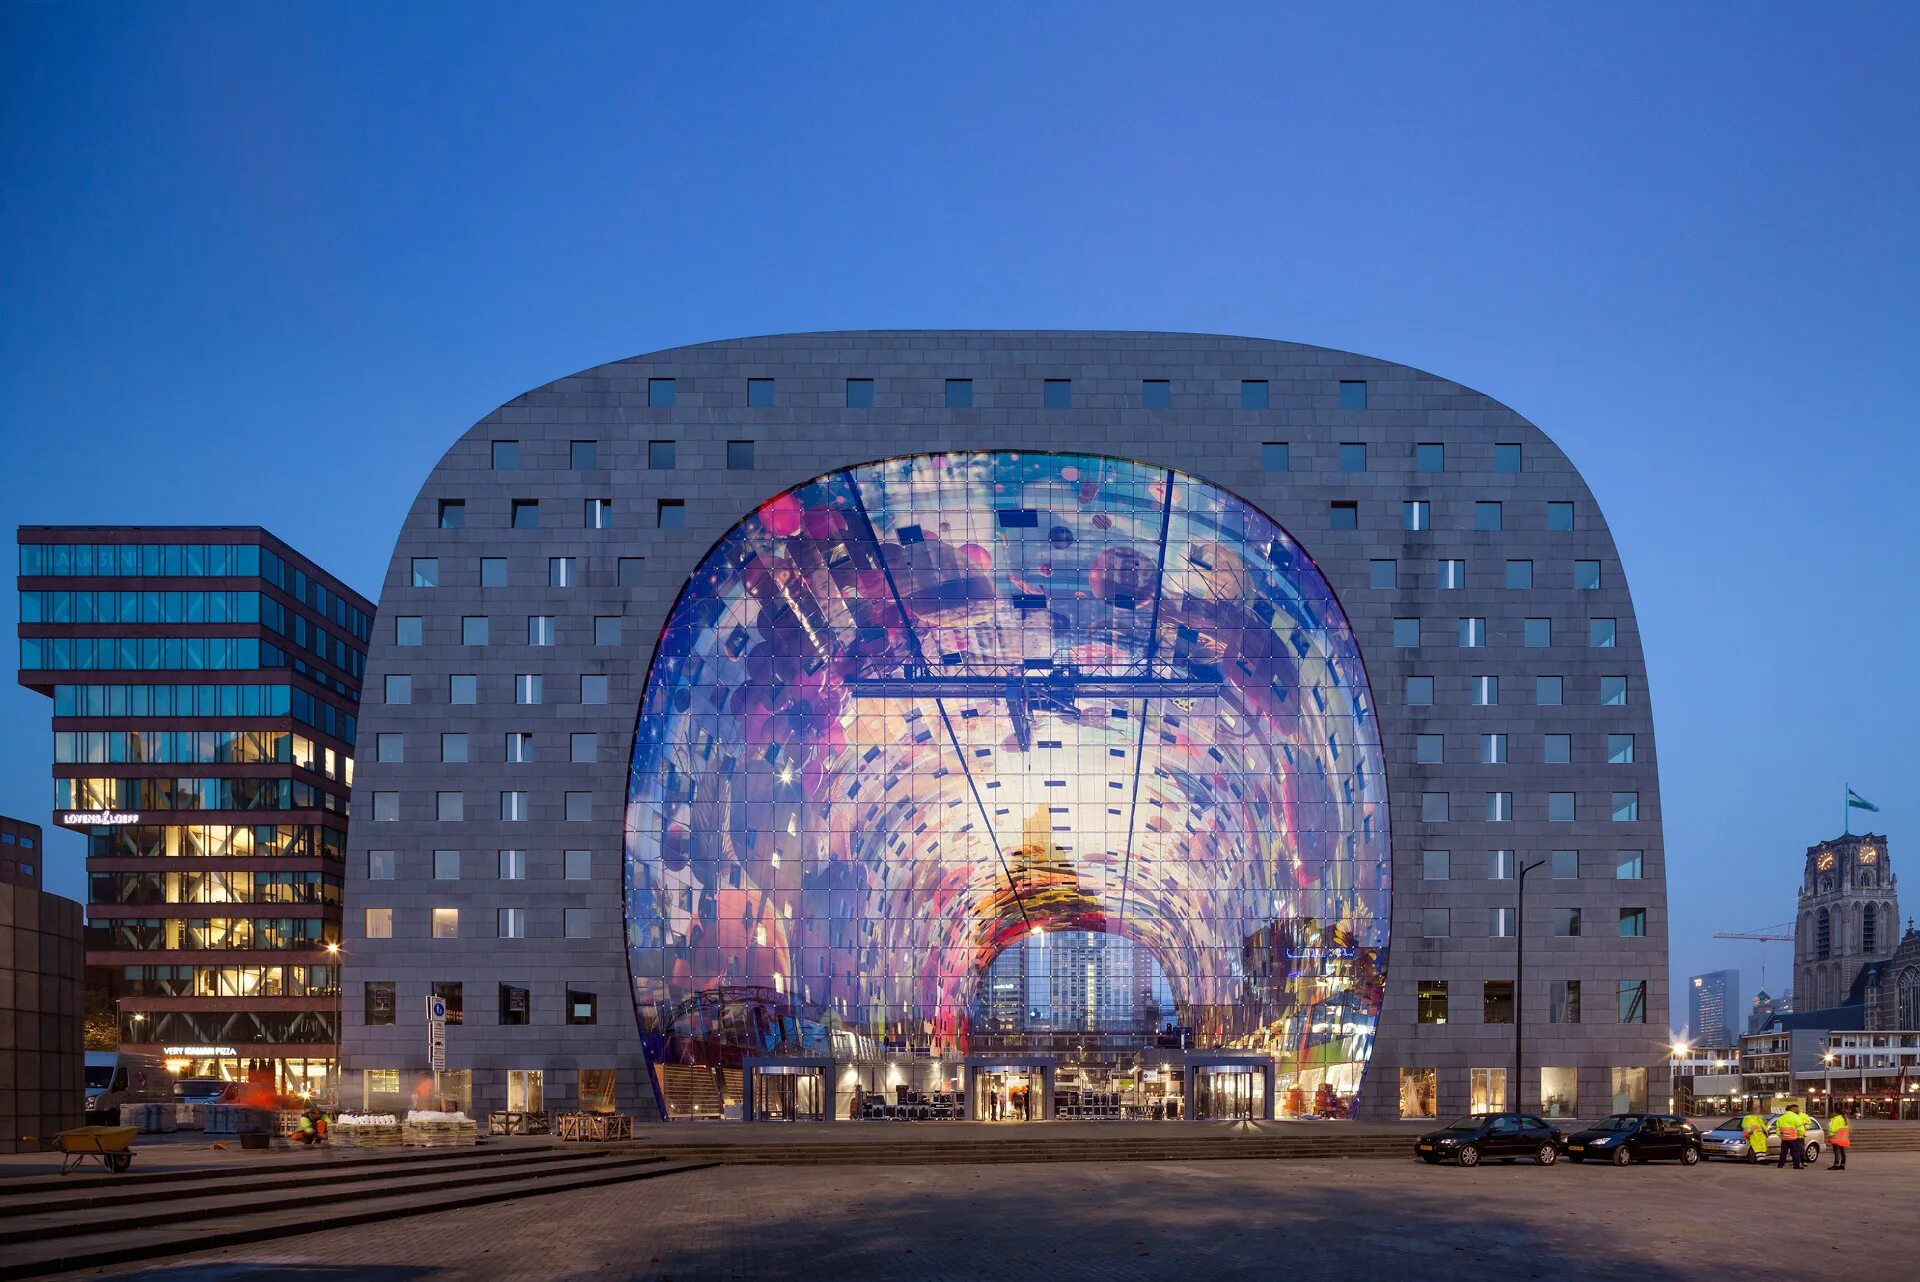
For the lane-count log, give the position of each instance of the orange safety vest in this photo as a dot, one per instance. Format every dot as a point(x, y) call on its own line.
point(1839, 1134)
point(1789, 1124)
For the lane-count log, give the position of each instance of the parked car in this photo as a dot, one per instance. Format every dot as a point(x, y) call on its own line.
point(1637, 1137)
point(1729, 1143)
point(1499, 1137)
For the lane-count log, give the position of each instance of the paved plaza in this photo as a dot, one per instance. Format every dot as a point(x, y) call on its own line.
point(1185, 1221)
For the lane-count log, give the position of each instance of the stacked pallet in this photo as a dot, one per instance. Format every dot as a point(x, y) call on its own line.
point(428, 1129)
point(366, 1130)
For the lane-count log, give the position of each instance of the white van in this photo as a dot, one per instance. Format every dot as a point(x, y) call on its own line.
point(119, 1077)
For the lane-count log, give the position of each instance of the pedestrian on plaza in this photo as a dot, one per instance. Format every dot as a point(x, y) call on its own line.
point(856, 1104)
point(1839, 1139)
point(1793, 1125)
point(1754, 1127)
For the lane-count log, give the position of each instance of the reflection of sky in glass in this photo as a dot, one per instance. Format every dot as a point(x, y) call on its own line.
point(910, 711)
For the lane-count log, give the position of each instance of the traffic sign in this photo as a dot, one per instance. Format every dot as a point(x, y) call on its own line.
point(437, 1045)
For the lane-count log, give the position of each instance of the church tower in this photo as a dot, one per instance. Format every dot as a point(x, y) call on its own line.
point(1849, 917)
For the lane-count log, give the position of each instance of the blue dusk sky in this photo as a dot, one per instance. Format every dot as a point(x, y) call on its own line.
point(262, 264)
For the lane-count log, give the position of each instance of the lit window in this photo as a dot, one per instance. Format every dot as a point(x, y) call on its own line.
point(1547, 691)
point(859, 394)
point(1506, 458)
point(450, 807)
point(1450, 574)
point(446, 865)
point(959, 393)
point(1406, 632)
point(1344, 516)
point(1435, 864)
point(1559, 807)
point(660, 393)
point(399, 688)
point(1416, 514)
point(1603, 634)
point(1557, 749)
point(390, 747)
point(1566, 865)
point(1500, 865)
point(426, 572)
point(493, 571)
point(579, 865)
point(513, 865)
point(1383, 574)
point(1519, 575)
point(759, 393)
point(1275, 456)
point(1633, 923)
point(671, 514)
point(606, 629)
point(406, 629)
point(1057, 393)
point(1156, 394)
point(579, 807)
point(1486, 691)
point(473, 629)
point(1613, 691)
point(1629, 865)
point(526, 514)
point(1499, 807)
point(1486, 516)
point(739, 456)
point(1559, 516)
point(1473, 633)
point(1432, 1001)
point(446, 923)
point(1493, 750)
point(1253, 393)
point(1428, 748)
point(379, 923)
point(1433, 807)
point(506, 456)
point(1353, 394)
point(1419, 692)
point(1436, 923)
point(453, 514)
point(380, 865)
point(1353, 456)
point(583, 456)
point(1586, 576)
point(661, 455)
point(1619, 749)
point(1538, 633)
point(453, 747)
point(1430, 458)
point(1496, 1003)
point(540, 629)
point(1626, 807)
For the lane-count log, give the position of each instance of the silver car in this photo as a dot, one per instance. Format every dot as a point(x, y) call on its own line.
point(1728, 1142)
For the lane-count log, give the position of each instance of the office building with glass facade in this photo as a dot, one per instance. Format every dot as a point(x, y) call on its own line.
point(783, 708)
point(205, 684)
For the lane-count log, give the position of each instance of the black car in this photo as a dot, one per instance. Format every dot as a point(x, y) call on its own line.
point(1637, 1137)
point(1484, 1137)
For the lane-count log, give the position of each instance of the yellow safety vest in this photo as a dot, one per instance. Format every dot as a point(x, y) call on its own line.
point(1837, 1129)
point(1790, 1125)
point(1754, 1127)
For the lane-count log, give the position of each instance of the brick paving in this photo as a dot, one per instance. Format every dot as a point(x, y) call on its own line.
point(1191, 1222)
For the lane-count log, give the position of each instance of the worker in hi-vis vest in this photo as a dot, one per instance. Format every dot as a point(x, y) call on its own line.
point(1793, 1126)
point(1839, 1139)
point(1754, 1127)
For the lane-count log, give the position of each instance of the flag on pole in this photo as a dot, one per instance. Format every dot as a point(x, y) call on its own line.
point(1857, 802)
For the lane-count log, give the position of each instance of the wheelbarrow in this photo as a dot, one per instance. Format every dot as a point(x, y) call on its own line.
point(112, 1146)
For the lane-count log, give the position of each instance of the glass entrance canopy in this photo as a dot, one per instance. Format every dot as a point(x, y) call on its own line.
point(911, 712)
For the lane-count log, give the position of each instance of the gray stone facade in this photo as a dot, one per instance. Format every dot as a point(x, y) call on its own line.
point(809, 429)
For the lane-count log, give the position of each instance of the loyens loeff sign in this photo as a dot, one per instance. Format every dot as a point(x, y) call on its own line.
point(98, 818)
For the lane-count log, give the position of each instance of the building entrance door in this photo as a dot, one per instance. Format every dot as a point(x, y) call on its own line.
point(1232, 1094)
point(788, 1094)
point(1011, 1095)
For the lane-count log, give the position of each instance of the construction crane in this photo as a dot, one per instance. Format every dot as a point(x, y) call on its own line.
point(1760, 935)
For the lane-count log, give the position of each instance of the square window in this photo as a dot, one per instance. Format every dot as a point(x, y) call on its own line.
point(1563, 1003)
point(390, 747)
point(606, 629)
point(1537, 634)
point(579, 807)
point(671, 514)
point(406, 629)
point(1613, 692)
point(453, 514)
point(1499, 926)
point(379, 923)
point(579, 865)
point(583, 748)
point(446, 923)
point(453, 747)
point(473, 629)
point(1519, 575)
point(1275, 456)
point(660, 393)
point(1559, 807)
point(859, 394)
point(583, 1008)
point(380, 865)
point(1344, 516)
point(1450, 575)
point(661, 455)
point(1353, 394)
point(1497, 998)
point(1500, 865)
point(1629, 865)
point(593, 689)
point(1430, 458)
point(632, 571)
point(1383, 574)
point(1633, 923)
point(399, 688)
point(1473, 634)
point(959, 393)
point(513, 865)
point(540, 629)
point(1156, 394)
point(513, 807)
point(599, 514)
point(1435, 865)
point(1486, 516)
point(449, 807)
point(1547, 691)
point(1557, 749)
point(1559, 516)
point(1626, 807)
point(493, 571)
point(1566, 865)
point(1433, 807)
point(1432, 1001)
point(512, 925)
point(1419, 692)
point(1057, 393)
point(519, 747)
point(739, 456)
point(578, 923)
point(446, 865)
point(1493, 750)
point(506, 456)
point(1428, 749)
point(1619, 749)
point(1499, 807)
point(526, 514)
point(1603, 634)
point(426, 572)
point(759, 393)
point(1436, 923)
point(1633, 1004)
point(449, 992)
point(527, 688)
point(1586, 576)
point(1353, 456)
point(1406, 633)
point(1486, 691)
point(1566, 923)
point(380, 1002)
point(1253, 393)
point(561, 572)
point(583, 456)
point(1506, 458)
point(1416, 514)
point(516, 1003)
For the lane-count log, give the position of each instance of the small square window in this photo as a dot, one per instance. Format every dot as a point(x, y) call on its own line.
point(453, 514)
point(449, 992)
point(1353, 456)
point(1519, 575)
point(583, 1008)
point(583, 748)
point(380, 865)
point(453, 747)
point(759, 392)
point(1557, 749)
point(1486, 691)
point(1416, 514)
point(562, 572)
point(1433, 807)
point(540, 629)
point(426, 572)
point(390, 747)
point(583, 456)
point(1436, 923)
point(1500, 865)
point(606, 629)
point(1619, 749)
point(513, 925)
point(1343, 515)
point(599, 514)
point(1156, 394)
point(1253, 393)
point(506, 456)
point(593, 690)
point(1499, 926)
point(578, 923)
point(579, 807)
point(493, 571)
point(1353, 394)
point(446, 923)
point(446, 865)
point(671, 514)
point(1450, 575)
point(660, 393)
point(1566, 923)
point(1629, 865)
point(513, 807)
point(1383, 574)
point(739, 456)
point(527, 688)
point(473, 629)
point(399, 688)
point(1613, 692)
point(1548, 691)
point(1473, 634)
point(519, 747)
point(959, 393)
point(1406, 633)
point(1493, 750)
point(379, 923)
point(1506, 458)
point(1057, 393)
point(1435, 865)
point(1537, 634)
point(526, 514)
point(859, 394)
point(632, 571)
point(1586, 576)
point(406, 629)
point(1625, 807)
point(450, 807)
point(1430, 458)
point(380, 1002)
point(1275, 456)
point(1559, 516)
point(1428, 748)
point(1603, 634)
point(463, 688)
point(1633, 923)
point(579, 865)
point(1419, 692)
point(513, 865)
point(1499, 807)
point(1559, 808)
point(1486, 516)
point(661, 455)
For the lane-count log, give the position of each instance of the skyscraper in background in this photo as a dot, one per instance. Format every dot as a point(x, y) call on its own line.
point(1713, 1005)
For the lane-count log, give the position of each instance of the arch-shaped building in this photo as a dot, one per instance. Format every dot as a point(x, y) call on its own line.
point(769, 699)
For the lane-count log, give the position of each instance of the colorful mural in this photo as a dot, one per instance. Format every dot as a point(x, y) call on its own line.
point(911, 711)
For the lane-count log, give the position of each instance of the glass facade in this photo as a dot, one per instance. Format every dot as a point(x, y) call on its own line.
point(912, 713)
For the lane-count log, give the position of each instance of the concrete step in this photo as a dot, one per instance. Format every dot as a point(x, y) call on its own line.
point(283, 1219)
point(20, 1178)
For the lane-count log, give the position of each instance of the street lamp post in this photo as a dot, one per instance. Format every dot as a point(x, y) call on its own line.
point(1520, 977)
point(1827, 1057)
